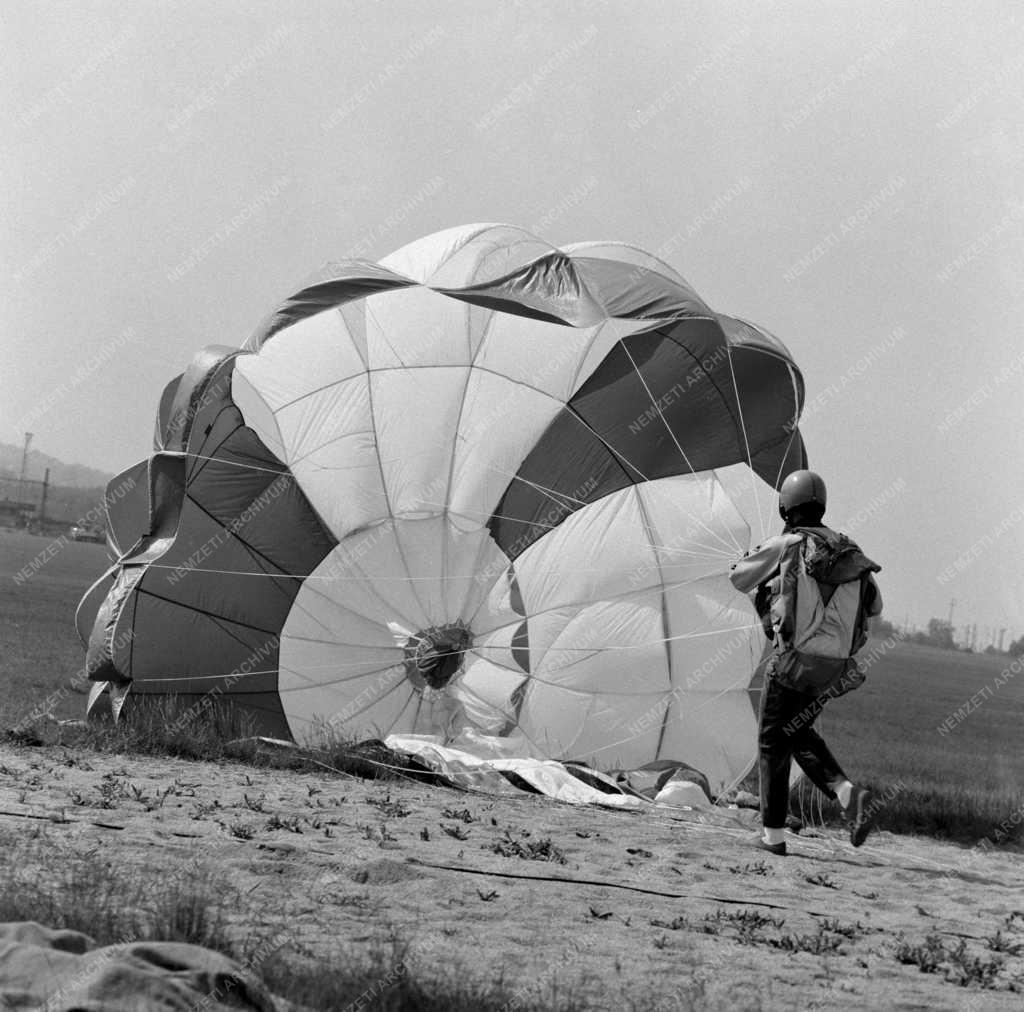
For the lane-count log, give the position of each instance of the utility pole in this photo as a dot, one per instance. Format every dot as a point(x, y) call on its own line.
point(42, 502)
point(952, 604)
point(24, 467)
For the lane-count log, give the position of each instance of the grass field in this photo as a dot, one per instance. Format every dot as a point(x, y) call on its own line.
point(965, 784)
point(40, 648)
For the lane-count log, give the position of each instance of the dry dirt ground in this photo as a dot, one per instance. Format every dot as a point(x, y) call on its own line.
point(657, 908)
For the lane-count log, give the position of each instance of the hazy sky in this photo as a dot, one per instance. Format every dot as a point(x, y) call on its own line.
point(849, 175)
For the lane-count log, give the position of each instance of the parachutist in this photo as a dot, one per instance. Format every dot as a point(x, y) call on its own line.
point(815, 591)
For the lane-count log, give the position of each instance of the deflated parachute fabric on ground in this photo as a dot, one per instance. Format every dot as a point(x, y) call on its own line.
point(668, 784)
point(485, 492)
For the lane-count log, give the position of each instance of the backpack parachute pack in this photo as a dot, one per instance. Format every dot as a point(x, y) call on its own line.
point(821, 600)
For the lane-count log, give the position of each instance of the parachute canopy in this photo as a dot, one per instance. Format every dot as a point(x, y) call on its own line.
point(485, 491)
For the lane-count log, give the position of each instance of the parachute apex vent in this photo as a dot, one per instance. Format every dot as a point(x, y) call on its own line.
point(435, 656)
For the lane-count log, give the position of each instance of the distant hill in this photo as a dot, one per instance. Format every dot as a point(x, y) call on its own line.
point(66, 475)
point(74, 494)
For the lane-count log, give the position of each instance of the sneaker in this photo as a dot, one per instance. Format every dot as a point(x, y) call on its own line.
point(860, 814)
point(778, 849)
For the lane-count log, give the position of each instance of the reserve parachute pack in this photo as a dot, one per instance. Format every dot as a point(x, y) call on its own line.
point(825, 597)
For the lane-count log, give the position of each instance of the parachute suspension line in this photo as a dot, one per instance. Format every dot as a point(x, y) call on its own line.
point(736, 548)
point(584, 355)
point(785, 457)
point(746, 440)
point(333, 666)
point(624, 595)
point(497, 516)
point(649, 529)
point(654, 402)
point(728, 552)
point(187, 571)
point(527, 677)
point(668, 706)
point(609, 649)
point(368, 583)
point(285, 468)
point(607, 445)
point(719, 553)
point(300, 606)
point(793, 426)
point(375, 700)
point(279, 471)
point(551, 493)
point(816, 815)
point(711, 555)
point(395, 665)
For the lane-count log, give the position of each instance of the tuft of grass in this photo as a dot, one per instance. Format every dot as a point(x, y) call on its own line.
point(529, 850)
point(821, 943)
point(751, 868)
point(255, 804)
point(112, 905)
point(1000, 943)
point(379, 834)
point(821, 879)
point(836, 926)
point(204, 809)
point(676, 924)
point(748, 923)
point(752, 927)
point(291, 823)
point(463, 815)
point(954, 962)
point(165, 725)
point(388, 808)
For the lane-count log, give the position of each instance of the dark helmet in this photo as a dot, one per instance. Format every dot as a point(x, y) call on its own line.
point(802, 488)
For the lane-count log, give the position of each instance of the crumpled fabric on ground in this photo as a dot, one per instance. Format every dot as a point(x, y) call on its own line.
point(62, 970)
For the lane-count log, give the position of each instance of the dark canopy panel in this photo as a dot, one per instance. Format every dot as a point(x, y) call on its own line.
point(214, 525)
point(661, 403)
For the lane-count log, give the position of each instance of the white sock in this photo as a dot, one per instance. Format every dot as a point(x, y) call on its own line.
point(843, 793)
point(774, 835)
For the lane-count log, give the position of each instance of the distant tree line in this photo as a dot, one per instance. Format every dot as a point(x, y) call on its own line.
point(940, 634)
